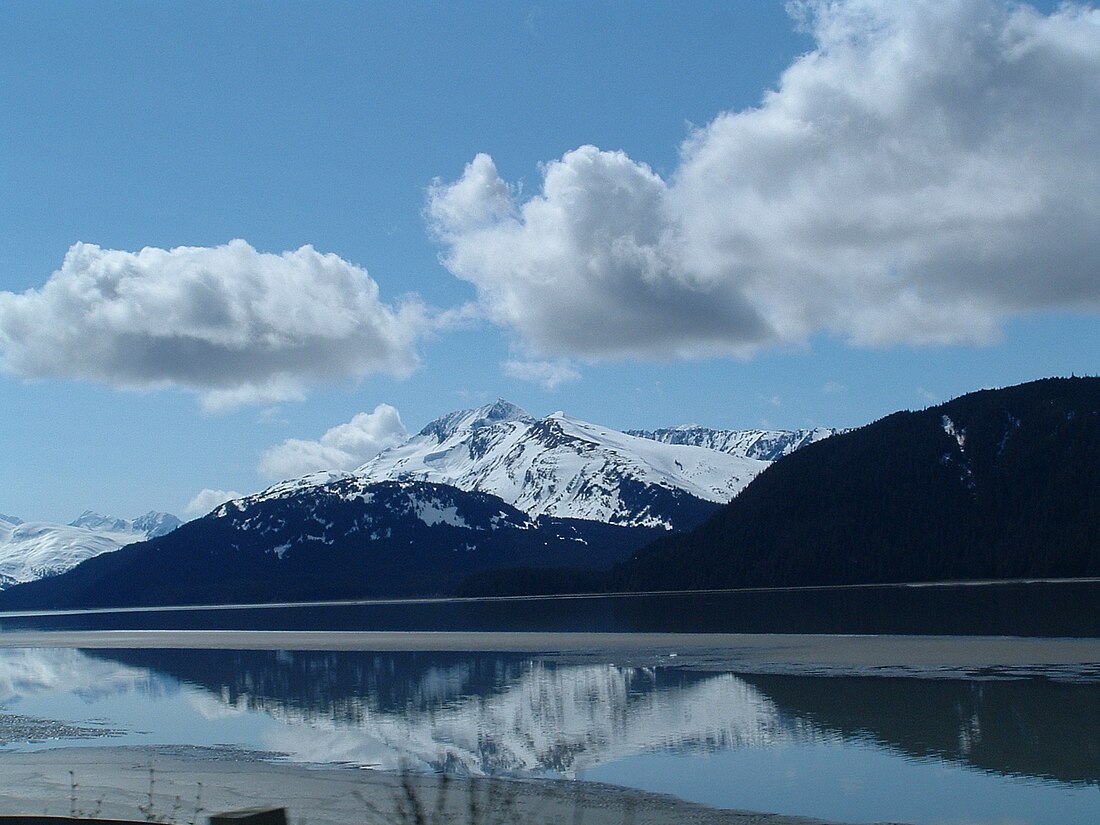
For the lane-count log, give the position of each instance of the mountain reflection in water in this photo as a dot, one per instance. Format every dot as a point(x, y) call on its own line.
point(475, 714)
point(490, 713)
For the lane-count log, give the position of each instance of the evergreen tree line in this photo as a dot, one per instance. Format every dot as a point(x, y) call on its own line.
point(998, 484)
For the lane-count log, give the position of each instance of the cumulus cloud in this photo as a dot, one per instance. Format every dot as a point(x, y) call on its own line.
point(344, 447)
point(928, 170)
point(235, 325)
point(206, 500)
point(547, 374)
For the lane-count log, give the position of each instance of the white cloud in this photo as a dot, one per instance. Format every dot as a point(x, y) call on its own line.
point(547, 374)
point(833, 388)
point(343, 447)
point(206, 500)
point(927, 395)
point(233, 324)
point(927, 171)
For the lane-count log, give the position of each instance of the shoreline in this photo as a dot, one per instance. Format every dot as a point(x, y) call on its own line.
point(189, 784)
point(612, 594)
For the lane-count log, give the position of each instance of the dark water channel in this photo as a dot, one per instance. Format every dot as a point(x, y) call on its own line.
point(1013, 609)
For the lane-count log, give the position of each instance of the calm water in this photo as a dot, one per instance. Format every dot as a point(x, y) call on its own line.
point(1035, 609)
point(853, 748)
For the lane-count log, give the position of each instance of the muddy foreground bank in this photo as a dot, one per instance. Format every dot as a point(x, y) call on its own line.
point(187, 785)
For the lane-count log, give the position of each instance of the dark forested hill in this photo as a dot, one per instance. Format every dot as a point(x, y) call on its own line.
point(344, 539)
point(994, 484)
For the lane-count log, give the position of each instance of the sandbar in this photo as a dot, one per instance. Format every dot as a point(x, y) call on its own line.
point(809, 654)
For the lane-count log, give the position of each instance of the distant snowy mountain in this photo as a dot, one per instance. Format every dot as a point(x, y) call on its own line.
point(561, 466)
point(7, 524)
point(765, 445)
point(35, 550)
point(147, 526)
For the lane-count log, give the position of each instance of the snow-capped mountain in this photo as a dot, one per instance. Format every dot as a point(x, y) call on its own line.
point(34, 550)
point(766, 445)
point(564, 467)
point(473, 503)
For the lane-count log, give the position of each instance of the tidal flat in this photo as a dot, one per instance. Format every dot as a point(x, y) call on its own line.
point(550, 726)
point(190, 784)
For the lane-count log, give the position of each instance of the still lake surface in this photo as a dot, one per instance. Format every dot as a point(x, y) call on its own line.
point(854, 748)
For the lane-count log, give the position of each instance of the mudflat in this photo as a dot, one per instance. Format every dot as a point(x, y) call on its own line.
point(187, 785)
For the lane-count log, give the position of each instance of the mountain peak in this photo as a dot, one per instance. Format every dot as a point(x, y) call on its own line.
point(500, 410)
point(92, 520)
point(156, 524)
point(563, 467)
point(150, 524)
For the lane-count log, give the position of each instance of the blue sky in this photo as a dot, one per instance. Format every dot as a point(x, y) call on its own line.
point(736, 214)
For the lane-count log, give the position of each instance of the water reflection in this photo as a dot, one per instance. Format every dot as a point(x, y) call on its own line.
point(25, 672)
point(1028, 727)
point(492, 714)
point(477, 714)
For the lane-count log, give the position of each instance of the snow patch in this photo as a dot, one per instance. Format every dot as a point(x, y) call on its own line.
point(433, 512)
point(957, 433)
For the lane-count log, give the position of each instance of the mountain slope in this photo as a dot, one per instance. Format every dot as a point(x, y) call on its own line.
point(995, 484)
point(341, 538)
point(560, 466)
point(35, 550)
point(763, 445)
